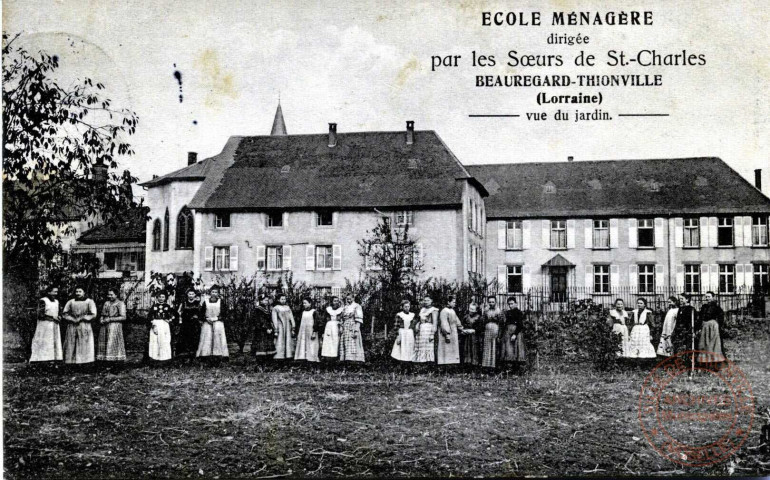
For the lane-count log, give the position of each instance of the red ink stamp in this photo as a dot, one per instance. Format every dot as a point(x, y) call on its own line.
point(695, 414)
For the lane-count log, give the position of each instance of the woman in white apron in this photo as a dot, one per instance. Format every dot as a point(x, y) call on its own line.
point(424, 345)
point(640, 342)
point(665, 346)
point(46, 344)
point(403, 348)
point(330, 349)
point(307, 337)
point(619, 319)
point(160, 316)
point(213, 342)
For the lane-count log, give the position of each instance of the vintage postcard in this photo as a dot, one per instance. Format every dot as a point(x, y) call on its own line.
point(317, 239)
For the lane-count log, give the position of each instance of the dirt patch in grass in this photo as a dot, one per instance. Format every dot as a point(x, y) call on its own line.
point(239, 420)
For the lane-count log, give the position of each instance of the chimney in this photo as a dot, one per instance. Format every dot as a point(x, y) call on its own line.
point(409, 132)
point(332, 134)
point(192, 158)
point(570, 158)
point(758, 179)
point(100, 172)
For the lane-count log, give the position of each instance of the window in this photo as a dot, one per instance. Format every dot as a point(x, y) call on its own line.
point(124, 261)
point(692, 278)
point(471, 216)
point(222, 258)
point(558, 234)
point(725, 232)
point(324, 218)
point(275, 258)
point(515, 280)
point(184, 229)
point(646, 233)
point(691, 233)
point(404, 217)
point(601, 234)
point(166, 231)
point(323, 257)
point(761, 278)
point(601, 279)
point(514, 235)
point(222, 220)
point(727, 278)
point(646, 278)
point(275, 220)
point(759, 231)
point(156, 235)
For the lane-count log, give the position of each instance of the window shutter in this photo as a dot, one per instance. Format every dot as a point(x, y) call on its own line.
point(747, 238)
point(705, 278)
point(335, 219)
point(472, 217)
point(703, 223)
point(680, 277)
point(678, 232)
point(589, 278)
point(588, 232)
point(633, 277)
point(336, 257)
point(546, 233)
point(313, 219)
point(571, 227)
point(614, 276)
point(502, 279)
point(310, 257)
point(713, 231)
point(660, 276)
point(740, 279)
point(208, 258)
point(261, 265)
point(748, 272)
point(526, 281)
point(525, 228)
point(632, 233)
point(660, 239)
point(738, 229)
point(233, 258)
point(501, 240)
point(714, 277)
point(614, 239)
point(287, 257)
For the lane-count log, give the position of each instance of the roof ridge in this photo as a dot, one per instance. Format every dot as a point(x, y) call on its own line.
point(608, 160)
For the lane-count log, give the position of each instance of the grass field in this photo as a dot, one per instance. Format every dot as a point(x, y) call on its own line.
point(238, 420)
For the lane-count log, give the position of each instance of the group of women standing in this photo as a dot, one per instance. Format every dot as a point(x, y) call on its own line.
point(433, 335)
point(684, 329)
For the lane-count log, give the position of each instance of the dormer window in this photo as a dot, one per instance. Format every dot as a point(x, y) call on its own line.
point(222, 220)
point(275, 220)
point(286, 169)
point(549, 187)
point(324, 218)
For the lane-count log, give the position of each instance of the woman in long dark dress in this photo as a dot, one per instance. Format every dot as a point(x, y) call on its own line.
point(512, 338)
point(190, 316)
point(263, 342)
point(472, 326)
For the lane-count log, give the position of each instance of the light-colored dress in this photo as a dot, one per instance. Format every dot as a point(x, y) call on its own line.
point(640, 342)
point(665, 347)
point(331, 340)
point(79, 338)
point(492, 321)
point(448, 353)
point(619, 326)
point(213, 342)
point(160, 317)
point(111, 347)
point(426, 332)
point(351, 342)
point(283, 326)
point(307, 346)
point(403, 348)
point(46, 344)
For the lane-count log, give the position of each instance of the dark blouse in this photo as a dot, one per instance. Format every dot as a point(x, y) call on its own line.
point(190, 312)
point(514, 317)
point(161, 311)
point(263, 321)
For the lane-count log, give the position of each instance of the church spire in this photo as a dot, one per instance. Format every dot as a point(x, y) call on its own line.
point(279, 127)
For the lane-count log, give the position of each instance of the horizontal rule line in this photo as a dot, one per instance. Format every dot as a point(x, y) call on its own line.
point(493, 115)
point(643, 115)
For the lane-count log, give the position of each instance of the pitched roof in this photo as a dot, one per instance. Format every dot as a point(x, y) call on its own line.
point(196, 171)
point(363, 169)
point(130, 228)
point(279, 127)
point(617, 187)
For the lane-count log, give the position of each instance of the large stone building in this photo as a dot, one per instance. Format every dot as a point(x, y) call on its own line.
point(300, 203)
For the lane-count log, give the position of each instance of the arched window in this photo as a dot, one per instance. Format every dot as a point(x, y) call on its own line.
point(184, 229)
point(156, 235)
point(165, 231)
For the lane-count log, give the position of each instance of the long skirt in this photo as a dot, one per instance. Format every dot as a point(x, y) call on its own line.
point(489, 348)
point(284, 342)
point(710, 343)
point(423, 344)
point(111, 347)
point(448, 353)
point(46, 344)
point(213, 342)
point(640, 343)
point(79, 343)
point(623, 331)
point(403, 348)
point(331, 341)
point(512, 350)
point(187, 341)
point(351, 343)
point(665, 347)
point(263, 343)
point(469, 349)
point(307, 346)
point(160, 343)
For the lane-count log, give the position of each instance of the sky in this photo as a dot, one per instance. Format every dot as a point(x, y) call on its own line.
point(367, 66)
